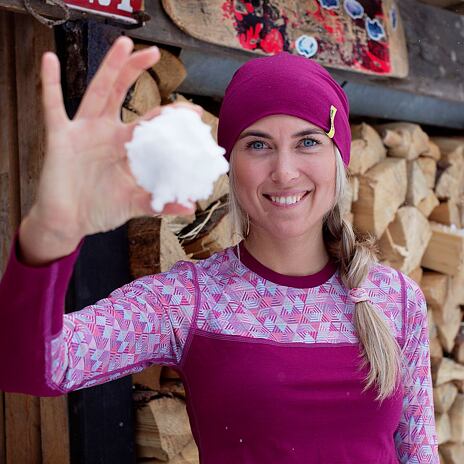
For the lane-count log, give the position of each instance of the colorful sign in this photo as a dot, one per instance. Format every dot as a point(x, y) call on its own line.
point(117, 9)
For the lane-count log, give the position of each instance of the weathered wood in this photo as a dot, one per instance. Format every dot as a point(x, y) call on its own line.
point(429, 168)
point(401, 249)
point(148, 378)
point(382, 189)
point(162, 428)
point(367, 148)
point(144, 246)
point(270, 29)
point(417, 184)
point(171, 250)
point(54, 430)
point(447, 213)
point(445, 252)
point(446, 370)
point(453, 453)
point(143, 96)
point(404, 139)
point(435, 287)
point(456, 415)
point(168, 72)
point(443, 428)
point(428, 204)
point(22, 417)
point(444, 396)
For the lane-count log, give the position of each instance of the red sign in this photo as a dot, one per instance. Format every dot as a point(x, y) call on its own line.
point(118, 9)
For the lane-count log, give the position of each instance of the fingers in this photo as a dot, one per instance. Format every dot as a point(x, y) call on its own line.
point(138, 62)
point(52, 95)
point(141, 205)
point(101, 86)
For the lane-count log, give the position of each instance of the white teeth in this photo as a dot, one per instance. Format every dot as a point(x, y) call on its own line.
point(287, 200)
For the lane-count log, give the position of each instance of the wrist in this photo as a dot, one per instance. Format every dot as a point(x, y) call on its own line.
point(40, 244)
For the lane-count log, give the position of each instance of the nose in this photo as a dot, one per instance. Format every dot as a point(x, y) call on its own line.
point(284, 168)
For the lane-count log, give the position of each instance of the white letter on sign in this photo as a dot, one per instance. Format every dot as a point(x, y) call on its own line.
point(125, 5)
point(104, 2)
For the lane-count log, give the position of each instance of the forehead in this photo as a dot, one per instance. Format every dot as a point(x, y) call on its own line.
point(281, 122)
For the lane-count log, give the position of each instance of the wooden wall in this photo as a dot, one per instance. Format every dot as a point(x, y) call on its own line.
point(32, 430)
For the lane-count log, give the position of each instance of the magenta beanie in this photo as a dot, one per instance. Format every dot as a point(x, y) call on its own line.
point(284, 84)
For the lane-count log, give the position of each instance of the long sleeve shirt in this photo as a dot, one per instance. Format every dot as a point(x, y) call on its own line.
point(270, 362)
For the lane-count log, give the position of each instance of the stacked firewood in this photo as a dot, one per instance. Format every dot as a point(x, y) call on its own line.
point(405, 189)
point(408, 194)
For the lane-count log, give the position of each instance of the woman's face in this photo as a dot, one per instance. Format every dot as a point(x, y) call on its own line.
point(280, 159)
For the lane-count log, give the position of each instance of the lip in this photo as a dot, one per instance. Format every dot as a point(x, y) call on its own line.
point(287, 193)
point(294, 205)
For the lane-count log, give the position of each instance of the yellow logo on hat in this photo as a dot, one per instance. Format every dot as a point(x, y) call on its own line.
point(333, 112)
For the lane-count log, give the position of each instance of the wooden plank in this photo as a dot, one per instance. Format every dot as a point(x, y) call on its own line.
point(54, 430)
point(336, 36)
point(435, 77)
point(22, 413)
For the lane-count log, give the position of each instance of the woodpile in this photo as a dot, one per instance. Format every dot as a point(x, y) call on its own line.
point(405, 188)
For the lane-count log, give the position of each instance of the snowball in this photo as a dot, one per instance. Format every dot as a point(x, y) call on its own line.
point(174, 156)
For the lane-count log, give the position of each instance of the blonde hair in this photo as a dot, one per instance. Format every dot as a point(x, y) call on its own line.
point(354, 257)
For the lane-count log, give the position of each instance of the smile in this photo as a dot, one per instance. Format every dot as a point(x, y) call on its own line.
point(287, 202)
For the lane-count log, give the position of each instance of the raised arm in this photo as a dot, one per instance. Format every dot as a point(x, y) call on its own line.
point(45, 354)
point(415, 438)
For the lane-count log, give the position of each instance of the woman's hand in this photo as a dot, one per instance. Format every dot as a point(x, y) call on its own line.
point(86, 185)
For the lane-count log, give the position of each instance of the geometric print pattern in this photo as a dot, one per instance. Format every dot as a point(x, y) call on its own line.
point(148, 321)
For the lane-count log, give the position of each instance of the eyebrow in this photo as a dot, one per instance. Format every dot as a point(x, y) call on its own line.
point(265, 135)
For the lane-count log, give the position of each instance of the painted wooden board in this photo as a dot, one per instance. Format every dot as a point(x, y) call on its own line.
point(366, 36)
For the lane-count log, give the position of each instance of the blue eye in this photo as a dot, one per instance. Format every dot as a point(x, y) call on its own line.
point(256, 145)
point(308, 143)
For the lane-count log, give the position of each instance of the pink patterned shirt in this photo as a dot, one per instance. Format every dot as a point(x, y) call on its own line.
point(269, 361)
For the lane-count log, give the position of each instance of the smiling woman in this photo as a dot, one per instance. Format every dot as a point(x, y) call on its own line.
point(294, 347)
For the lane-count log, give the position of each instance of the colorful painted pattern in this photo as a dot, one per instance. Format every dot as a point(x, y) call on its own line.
point(148, 321)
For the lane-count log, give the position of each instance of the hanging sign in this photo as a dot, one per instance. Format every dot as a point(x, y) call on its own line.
point(117, 9)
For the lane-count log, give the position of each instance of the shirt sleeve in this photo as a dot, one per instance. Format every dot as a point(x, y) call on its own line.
point(44, 352)
point(415, 437)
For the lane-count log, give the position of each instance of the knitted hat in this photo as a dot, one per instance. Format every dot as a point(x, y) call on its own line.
point(284, 84)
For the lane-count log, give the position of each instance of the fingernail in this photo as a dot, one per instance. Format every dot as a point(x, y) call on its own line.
point(154, 49)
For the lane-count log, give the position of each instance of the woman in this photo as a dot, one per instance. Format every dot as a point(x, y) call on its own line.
point(333, 360)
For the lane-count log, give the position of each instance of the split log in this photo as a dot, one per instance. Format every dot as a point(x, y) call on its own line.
point(458, 351)
point(416, 274)
point(148, 378)
point(446, 370)
point(450, 174)
point(162, 428)
point(399, 247)
point(435, 287)
point(443, 428)
point(417, 184)
point(404, 140)
point(444, 396)
point(210, 233)
point(169, 373)
point(175, 387)
point(447, 213)
point(168, 73)
point(428, 204)
point(456, 416)
point(171, 250)
point(367, 148)
point(142, 97)
point(448, 319)
point(445, 251)
point(436, 350)
point(452, 453)
point(382, 189)
point(354, 181)
point(433, 151)
point(429, 169)
point(431, 324)
point(449, 144)
point(144, 246)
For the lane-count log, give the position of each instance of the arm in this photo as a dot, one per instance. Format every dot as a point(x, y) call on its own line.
point(415, 438)
point(45, 353)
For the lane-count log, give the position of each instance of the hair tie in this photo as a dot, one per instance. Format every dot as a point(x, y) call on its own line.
point(358, 294)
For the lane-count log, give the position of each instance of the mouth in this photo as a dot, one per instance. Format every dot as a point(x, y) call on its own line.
point(291, 201)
